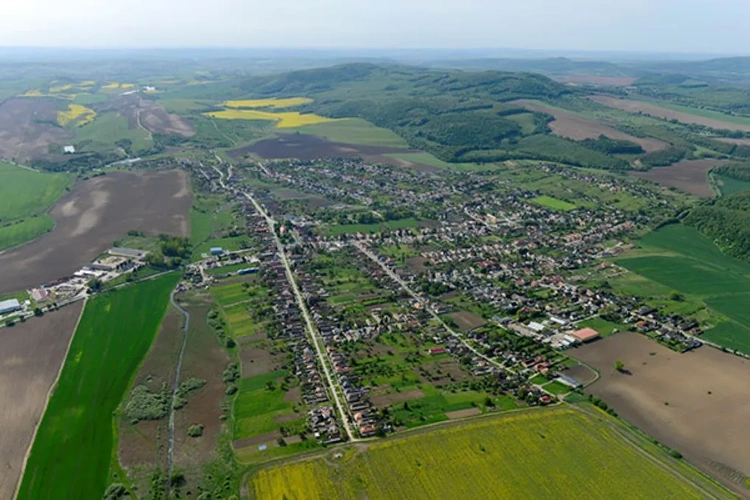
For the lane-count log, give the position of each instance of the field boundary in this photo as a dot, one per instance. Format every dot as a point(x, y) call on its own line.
point(52, 389)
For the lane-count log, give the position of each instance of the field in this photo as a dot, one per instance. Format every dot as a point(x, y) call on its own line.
point(71, 455)
point(680, 258)
point(727, 185)
point(493, 457)
point(554, 203)
point(150, 116)
point(289, 102)
point(107, 130)
point(689, 176)
point(98, 212)
point(573, 126)
point(310, 147)
point(31, 354)
point(354, 131)
point(668, 111)
point(76, 115)
point(287, 119)
point(28, 128)
point(697, 403)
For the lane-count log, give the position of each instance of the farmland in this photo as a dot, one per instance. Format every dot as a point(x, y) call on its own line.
point(689, 176)
point(354, 131)
point(680, 258)
point(108, 129)
point(675, 398)
point(494, 457)
point(72, 452)
point(76, 115)
point(31, 354)
point(289, 102)
point(288, 119)
point(98, 212)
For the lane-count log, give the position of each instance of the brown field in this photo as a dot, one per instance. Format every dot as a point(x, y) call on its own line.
point(95, 214)
point(665, 113)
point(573, 126)
point(615, 81)
point(581, 373)
point(690, 176)
point(469, 412)
point(143, 447)
point(467, 321)
point(697, 403)
point(396, 397)
point(310, 147)
point(150, 116)
point(28, 127)
point(256, 361)
point(31, 354)
point(741, 142)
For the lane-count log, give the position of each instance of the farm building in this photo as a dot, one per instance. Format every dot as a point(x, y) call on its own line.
point(217, 251)
point(69, 150)
point(586, 334)
point(129, 253)
point(537, 327)
point(9, 306)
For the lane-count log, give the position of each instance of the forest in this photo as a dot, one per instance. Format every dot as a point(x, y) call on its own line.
point(726, 221)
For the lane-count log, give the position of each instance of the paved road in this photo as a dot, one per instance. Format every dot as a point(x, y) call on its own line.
point(311, 329)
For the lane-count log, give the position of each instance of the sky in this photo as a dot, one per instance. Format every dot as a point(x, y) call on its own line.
point(692, 26)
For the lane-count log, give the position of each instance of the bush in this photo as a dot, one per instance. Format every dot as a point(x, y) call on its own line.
point(115, 491)
point(231, 389)
point(195, 431)
point(675, 454)
point(145, 405)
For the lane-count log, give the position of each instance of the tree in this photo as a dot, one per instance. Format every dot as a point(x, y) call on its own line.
point(619, 366)
point(38, 312)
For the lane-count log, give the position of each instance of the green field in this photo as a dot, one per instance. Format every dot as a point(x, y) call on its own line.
point(108, 128)
point(353, 131)
point(25, 196)
point(705, 113)
point(549, 453)
point(604, 327)
point(553, 203)
point(257, 406)
point(433, 161)
point(729, 185)
point(71, 455)
point(681, 259)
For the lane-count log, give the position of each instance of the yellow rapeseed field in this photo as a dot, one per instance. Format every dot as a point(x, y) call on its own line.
point(76, 115)
point(33, 93)
point(287, 119)
point(551, 453)
point(60, 88)
point(117, 86)
point(268, 103)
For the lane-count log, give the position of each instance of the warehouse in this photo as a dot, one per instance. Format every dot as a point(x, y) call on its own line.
point(9, 306)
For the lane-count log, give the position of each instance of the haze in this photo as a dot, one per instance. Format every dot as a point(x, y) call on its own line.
point(699, 26)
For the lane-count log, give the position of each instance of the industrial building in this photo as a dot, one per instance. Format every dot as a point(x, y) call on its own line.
point(9, 306)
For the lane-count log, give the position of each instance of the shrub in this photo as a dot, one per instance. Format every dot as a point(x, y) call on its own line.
point(195, 431)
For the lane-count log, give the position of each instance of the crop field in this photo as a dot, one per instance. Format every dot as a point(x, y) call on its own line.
point(20, 232)
point(117, 86)
point(689, 176)
point(680, 258)
point(354, 131)
point(697, 403)
point(577, 127)
point(273, 102)
point(259, 404)
point(71, 455)
point(493, 457)
point(31, 354)
point(727, 185)
point(76, 115)
point(669, 111)
point(107, 130)
point(553, 203)
point(287, 119)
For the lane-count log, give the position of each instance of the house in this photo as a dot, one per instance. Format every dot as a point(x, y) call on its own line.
point(437, 350)
point(585, 334)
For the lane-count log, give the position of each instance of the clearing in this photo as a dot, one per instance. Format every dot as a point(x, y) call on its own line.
point(572, 126)
point(668, 111)
point(689, 176)
point(494, 458)
point(30, 357)
point(71, 455)
point(697, 403)
point(98, 212)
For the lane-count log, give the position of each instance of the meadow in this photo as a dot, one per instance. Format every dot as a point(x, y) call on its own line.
point(26, 230)
point(553, 203)
point(108, 129)
point(681, 259)
point(550, 453)
point(729, 185)
point(71, 455)
point(257, 405)
point(354, 131)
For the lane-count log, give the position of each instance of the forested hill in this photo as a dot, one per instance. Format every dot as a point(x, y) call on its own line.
point(727, 222)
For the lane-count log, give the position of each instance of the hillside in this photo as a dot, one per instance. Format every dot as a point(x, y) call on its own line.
point(727, 222)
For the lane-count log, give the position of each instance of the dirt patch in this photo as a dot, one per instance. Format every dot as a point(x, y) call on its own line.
point(150, 116)
point(30, 357)
point(395, 397)
point(143, 446)
point(467, 321)
point(469, 412)
point(689, 176)
point(91, 218)
point(665, 113)
point(269, 438)
point(572, 126)
point(28, 127)
point(581, 373)
point(614, 81)
point(255, 362)
point(697, 403)
point(285, 419)
point(309, 147)
point(293, 395)
point(416, 264)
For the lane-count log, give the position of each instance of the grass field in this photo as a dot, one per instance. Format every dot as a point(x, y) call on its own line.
point(257, 406)
point(26, 230)
point(681, 259)
point(109, 128)
point(553, 203)
point(551, 453)
point(71, 455)
point(604, 327)
point(354, 131)
point(729, 185)
point(433, 161)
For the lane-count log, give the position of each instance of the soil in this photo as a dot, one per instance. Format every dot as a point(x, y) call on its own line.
point(666, 114)
point(572, 126)
point(581, 373)
point(689, 176)
point(151, 116)
point(467, 321)
point(469, 412)
point(269, 439)
point(89, 219)
point(31, 354)
point(28, 127)
point(395, 397)
point(310, 147)
point(255, 361)
point(697, 403)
